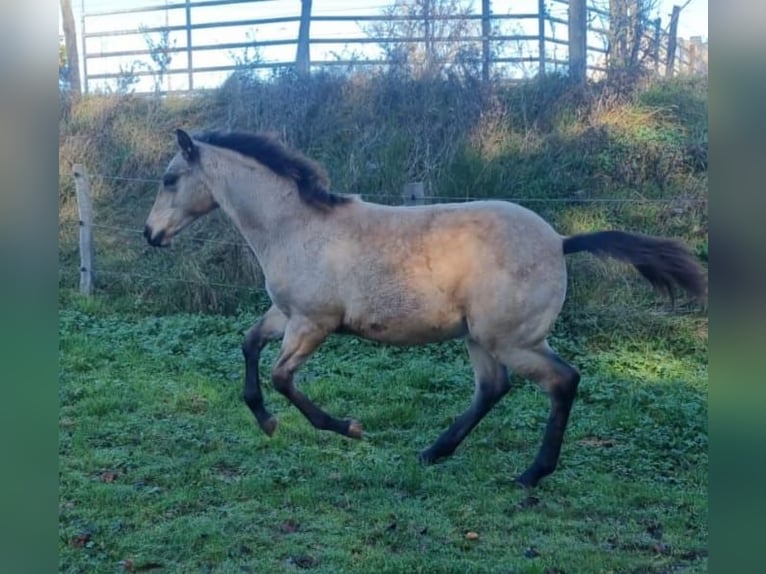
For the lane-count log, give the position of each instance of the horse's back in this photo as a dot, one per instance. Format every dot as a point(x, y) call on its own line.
point(464, 237)
point(427, 273)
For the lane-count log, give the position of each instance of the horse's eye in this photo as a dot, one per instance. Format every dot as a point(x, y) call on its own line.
point(169, 179)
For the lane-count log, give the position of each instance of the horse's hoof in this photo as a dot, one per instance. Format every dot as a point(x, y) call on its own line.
point(269, 426)
point(426, 457)
point(354, 429)
point(527, 480)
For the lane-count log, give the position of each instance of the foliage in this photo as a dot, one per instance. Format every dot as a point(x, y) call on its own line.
point(160, 52)
point(128, 76)
point(248, 58)
point(557, 148)
point(162, 465)
point(627, 36)
point(445, 45)
point(63, 68)
point(684, 103)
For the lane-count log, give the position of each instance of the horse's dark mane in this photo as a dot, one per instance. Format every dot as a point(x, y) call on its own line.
point(310, 177)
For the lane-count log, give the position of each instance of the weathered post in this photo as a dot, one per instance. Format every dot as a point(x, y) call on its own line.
point(85, 211)
point(671, 62)
point(578, 24)
point(695, 54)
point(541, 15)
point(428, 28)
point(70, 41)
point(413, 193)
point(486, 30)
point(189, 49)
point(657, 42)
point(302, 57)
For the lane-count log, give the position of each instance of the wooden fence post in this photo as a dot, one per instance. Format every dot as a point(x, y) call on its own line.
point(672, 35)
point(70, 41)
point(189, 50)
point(541, 15)
point(697, 61)
point(428, 34)
point(486, 30)
point(656, 43)
point(578, 28)
point(303, 57)
point(414, 193)
point(85, 212)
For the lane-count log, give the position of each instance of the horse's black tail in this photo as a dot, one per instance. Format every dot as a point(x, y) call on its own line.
point(665, 263)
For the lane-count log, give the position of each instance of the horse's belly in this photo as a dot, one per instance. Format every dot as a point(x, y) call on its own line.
point(408, 330)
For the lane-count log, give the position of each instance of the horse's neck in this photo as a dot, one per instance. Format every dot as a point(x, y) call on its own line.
point(264, 207)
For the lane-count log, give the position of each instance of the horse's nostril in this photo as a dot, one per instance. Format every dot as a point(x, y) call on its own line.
point(155, 241)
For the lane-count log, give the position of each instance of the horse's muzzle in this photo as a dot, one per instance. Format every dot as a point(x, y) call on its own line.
point(156, 240)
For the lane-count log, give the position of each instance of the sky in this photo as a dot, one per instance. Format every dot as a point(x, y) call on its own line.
point(692, 22)
point(693, 18)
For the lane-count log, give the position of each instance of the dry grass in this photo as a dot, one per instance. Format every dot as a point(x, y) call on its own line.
point(373, 134)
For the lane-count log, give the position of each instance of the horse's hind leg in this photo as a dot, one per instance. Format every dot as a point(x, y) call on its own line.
point(492, 384)
point(270, 326)
point(559, 379)
point(301, 339)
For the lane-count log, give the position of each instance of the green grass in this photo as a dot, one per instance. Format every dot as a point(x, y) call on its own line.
point(162, 467)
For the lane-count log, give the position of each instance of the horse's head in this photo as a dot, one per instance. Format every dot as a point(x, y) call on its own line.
point(183, 196)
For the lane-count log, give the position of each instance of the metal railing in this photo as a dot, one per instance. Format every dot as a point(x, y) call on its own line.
point(176, 51)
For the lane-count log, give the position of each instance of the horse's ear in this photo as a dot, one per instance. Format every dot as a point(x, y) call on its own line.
point(188, 149)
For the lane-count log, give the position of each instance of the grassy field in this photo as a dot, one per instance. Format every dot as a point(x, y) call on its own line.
point(162, 467)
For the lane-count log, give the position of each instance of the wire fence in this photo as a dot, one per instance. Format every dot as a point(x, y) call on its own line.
point(637, 309)
point(183, 46)
point(442, 198)
point(201, 239)
point(194, 237)
point(134, 275)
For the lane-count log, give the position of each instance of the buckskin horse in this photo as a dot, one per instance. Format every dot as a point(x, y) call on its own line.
point(491, 272)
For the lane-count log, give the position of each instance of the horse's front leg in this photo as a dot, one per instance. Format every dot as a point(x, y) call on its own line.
point(270, 326)
point(302, 338)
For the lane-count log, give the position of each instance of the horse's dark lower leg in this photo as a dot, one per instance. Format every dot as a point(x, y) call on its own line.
point(491, 385)
point(299, 343)
point(283, 382)
point(270, 326)
point(560, 380)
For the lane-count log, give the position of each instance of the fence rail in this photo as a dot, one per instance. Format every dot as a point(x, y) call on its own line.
point(190, 45)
